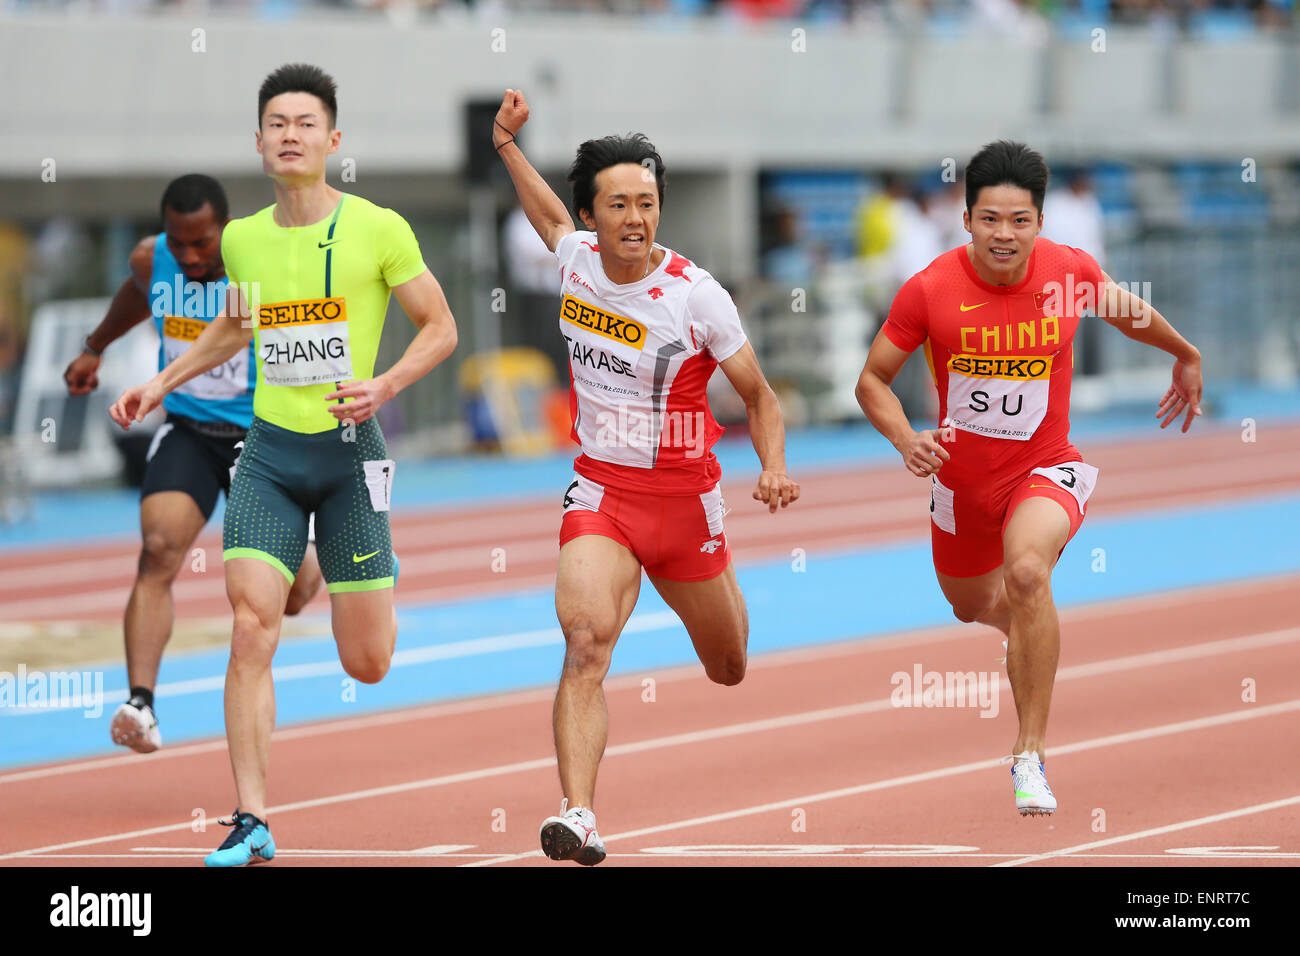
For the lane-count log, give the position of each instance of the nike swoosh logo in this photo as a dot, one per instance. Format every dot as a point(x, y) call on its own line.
point(322, 245)
point(967, 308)
point(259, 849)
point(356, 560)
point(1042, 486)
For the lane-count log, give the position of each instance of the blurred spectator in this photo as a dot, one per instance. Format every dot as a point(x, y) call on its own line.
point(1072, 216)
point(945, 210)
point(533, 312)
point(1027, 20)
point(13, 318)
point(1010, 18)
point(879, 215)
point(61, 252)
point(920, 240)
point(789, 260)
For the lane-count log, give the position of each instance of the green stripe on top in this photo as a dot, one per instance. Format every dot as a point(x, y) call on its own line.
point(329, 253)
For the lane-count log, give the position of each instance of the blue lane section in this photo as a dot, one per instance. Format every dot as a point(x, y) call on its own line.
point(97, 515)
point(859, 593)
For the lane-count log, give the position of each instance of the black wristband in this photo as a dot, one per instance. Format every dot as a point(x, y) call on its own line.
point(85, 347)
point(512, 135)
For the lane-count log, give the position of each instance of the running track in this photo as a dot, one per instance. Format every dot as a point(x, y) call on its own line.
point(807, 761)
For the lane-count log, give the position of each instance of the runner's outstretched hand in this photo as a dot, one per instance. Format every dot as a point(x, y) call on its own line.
point(776, 488)
point(135, 403)
point(512, 115)
point(1184, 393)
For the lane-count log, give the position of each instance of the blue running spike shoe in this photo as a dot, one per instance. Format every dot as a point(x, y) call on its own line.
point(249, 842)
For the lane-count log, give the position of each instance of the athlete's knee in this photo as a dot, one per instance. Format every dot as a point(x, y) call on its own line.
point(728, 665)
point(253, 638)
point(727, 670)
point(588, 650)
point(1027, 576)
point(968, 613)
point(369, 667)
point(160, 556)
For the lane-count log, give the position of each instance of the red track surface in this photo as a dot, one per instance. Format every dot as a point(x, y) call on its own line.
point(811, 731)
point(1150, 737)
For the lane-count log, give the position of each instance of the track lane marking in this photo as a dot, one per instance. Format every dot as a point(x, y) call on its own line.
point(692, 737)
point(1158, 831)
point(1102, 609)
point(1109, 740)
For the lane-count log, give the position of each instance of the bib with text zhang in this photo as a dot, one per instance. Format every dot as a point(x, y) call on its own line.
point(228, 380)
point(304, 342)
point(1001, 396)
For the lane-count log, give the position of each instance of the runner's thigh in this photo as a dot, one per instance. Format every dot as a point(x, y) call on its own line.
point(596, 587)
point(714, 614)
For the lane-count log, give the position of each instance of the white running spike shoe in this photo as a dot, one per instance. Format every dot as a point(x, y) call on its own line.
point(572, 836)
point(1033, 796)
point(134, 725)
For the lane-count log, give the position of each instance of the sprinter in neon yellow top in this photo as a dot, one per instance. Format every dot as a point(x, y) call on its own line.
point(317, 267)
point(323, 291)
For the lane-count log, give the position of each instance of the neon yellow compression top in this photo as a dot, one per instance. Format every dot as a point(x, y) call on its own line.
point(318, 295)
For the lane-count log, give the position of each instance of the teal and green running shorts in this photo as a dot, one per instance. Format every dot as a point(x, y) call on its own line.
point(344, 475)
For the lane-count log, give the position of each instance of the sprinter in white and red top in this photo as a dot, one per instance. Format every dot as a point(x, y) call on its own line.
point(645, 328)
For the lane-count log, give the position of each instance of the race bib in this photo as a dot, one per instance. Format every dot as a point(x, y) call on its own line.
point(304, 342)
point(1076, 477)
point(1002, 396)
point(228, 380)
point(613, 343)
point(379, 482)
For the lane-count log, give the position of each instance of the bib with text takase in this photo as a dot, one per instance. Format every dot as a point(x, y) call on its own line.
point(1001, 396)
point(304, 342)
point(613, 343)
point(226, 381)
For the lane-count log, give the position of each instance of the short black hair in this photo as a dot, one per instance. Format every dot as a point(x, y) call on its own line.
point(188, 193)
point(597, 154)
point(1005, 163)
point(299, 78)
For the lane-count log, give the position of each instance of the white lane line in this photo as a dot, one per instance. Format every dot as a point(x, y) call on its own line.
point(473, 647)
point(1098, 742)
point(730, 730)
point(1166, 856)
point(1178, 481)
point(198, 855)
point(438, 849)
point(1158, 831)
point(779, 658)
